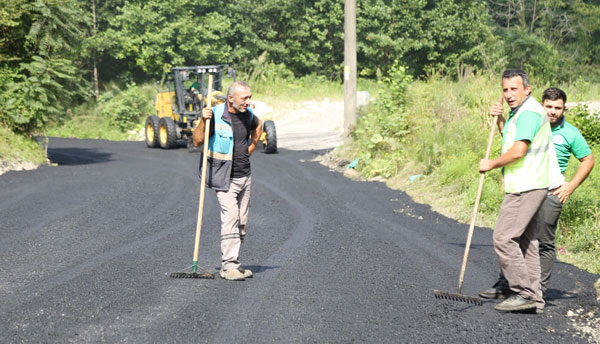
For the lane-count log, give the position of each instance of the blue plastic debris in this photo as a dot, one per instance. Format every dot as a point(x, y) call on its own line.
point(353, 163)
point(413, 178)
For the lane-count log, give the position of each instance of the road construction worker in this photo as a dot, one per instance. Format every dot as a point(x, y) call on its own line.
point(567, 140)
point(529, 167)
point(234, 134)
point(195, 92)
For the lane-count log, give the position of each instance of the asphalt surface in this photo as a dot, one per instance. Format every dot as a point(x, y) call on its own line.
point(87, 246)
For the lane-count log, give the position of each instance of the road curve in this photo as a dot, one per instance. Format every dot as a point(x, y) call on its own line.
point(87, 247)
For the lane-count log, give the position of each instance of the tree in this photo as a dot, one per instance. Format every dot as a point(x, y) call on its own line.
point(567, 31)
point(150, 34)
point(422, 34)
point(40, 76)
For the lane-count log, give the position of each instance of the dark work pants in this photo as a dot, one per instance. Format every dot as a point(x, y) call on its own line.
point(516, 243)
point(547, 220)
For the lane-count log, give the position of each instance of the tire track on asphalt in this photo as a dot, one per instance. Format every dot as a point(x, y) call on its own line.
point(37, 288)
point(232, 329)
point(410, 241)
point(75, 208)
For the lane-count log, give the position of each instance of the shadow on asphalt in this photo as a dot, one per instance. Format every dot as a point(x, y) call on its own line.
point(77, 156)
point(472, 245)
point(256, 269)
point(556, 294)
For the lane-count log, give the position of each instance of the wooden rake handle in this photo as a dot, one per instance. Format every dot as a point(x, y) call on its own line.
point(477, 199)
point(203, 177)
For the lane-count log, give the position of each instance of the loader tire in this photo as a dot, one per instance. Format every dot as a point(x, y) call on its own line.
point(167, 133)
point(152, 131)
point(271, 145)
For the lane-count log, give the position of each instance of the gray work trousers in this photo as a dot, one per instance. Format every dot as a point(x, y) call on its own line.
point(547, 220)
point(516, 243)
point(235, 204)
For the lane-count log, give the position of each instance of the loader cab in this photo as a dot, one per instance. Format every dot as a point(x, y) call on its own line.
point(190, 86)
point(180, 105)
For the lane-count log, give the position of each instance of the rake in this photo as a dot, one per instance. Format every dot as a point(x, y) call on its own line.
point(194, 273)
point(458, 296)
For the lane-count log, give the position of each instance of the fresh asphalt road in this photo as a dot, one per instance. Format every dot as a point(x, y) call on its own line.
point(87, 246)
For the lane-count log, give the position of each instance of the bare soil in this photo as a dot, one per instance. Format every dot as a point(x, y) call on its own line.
point(309, 125)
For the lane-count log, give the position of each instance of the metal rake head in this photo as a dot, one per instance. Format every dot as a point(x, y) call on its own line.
point(458, 297)
point(205, 275)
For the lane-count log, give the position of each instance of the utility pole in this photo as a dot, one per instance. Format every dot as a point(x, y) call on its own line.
point(350, 109)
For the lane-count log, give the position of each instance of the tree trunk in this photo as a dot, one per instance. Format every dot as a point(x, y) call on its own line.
point(533, 17)
point(94, 54)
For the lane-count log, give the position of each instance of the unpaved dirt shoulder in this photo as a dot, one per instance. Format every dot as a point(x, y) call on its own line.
point(308, 125)
point(16, 165)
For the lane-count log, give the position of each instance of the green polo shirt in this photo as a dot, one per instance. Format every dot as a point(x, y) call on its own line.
point(527, 124)
point(567, 139)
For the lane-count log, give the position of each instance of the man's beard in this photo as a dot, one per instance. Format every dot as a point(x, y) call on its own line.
point(238, 107)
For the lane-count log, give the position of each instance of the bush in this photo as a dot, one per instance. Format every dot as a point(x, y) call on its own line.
point(579, 224)
point(126, 109)
point(37, 92)
point(381, 129)
point(587, 122)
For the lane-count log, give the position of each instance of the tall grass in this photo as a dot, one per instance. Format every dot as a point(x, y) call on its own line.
point(117, 114)
point(15, 149)
point(579, 225)
point(449, 125)
point(275, 84)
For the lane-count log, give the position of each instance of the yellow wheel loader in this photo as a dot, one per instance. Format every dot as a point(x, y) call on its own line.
point(180, 105)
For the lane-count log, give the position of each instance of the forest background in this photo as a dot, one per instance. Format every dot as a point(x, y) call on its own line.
point(87, 69)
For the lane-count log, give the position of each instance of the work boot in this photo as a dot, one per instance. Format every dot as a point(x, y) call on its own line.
point(495, 293)
point(232, 274)
point(515, 302)
point(499, 290)
point(246, 272)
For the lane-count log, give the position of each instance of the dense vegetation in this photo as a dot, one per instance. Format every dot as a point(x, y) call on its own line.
point(58, 54)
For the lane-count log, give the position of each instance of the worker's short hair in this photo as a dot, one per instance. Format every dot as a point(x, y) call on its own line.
point(237, 84)
point(554, 93)
point(512, 72)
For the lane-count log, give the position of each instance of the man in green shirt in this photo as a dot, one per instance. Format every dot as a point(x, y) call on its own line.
point(195, 90)
point(529, 166)
point(567, 140)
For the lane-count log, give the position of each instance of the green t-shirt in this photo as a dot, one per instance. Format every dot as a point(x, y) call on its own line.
point(195, 88)
point(567, 139)
point(527, 125)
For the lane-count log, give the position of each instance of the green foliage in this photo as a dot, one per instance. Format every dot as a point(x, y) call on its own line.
point(127, 108)
point(117, 113)
point(263, 74)
point(37, 93)
point(529, 52)
point(587, 122)
point(12, 32)
point(567, 32)
point(57, 26)
point(307, 38)
point(381, 129)
point(424, 35)
point(40, 79)
point(152, 33)
point(276, 83)
point(16, 148)
point(579, 224)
